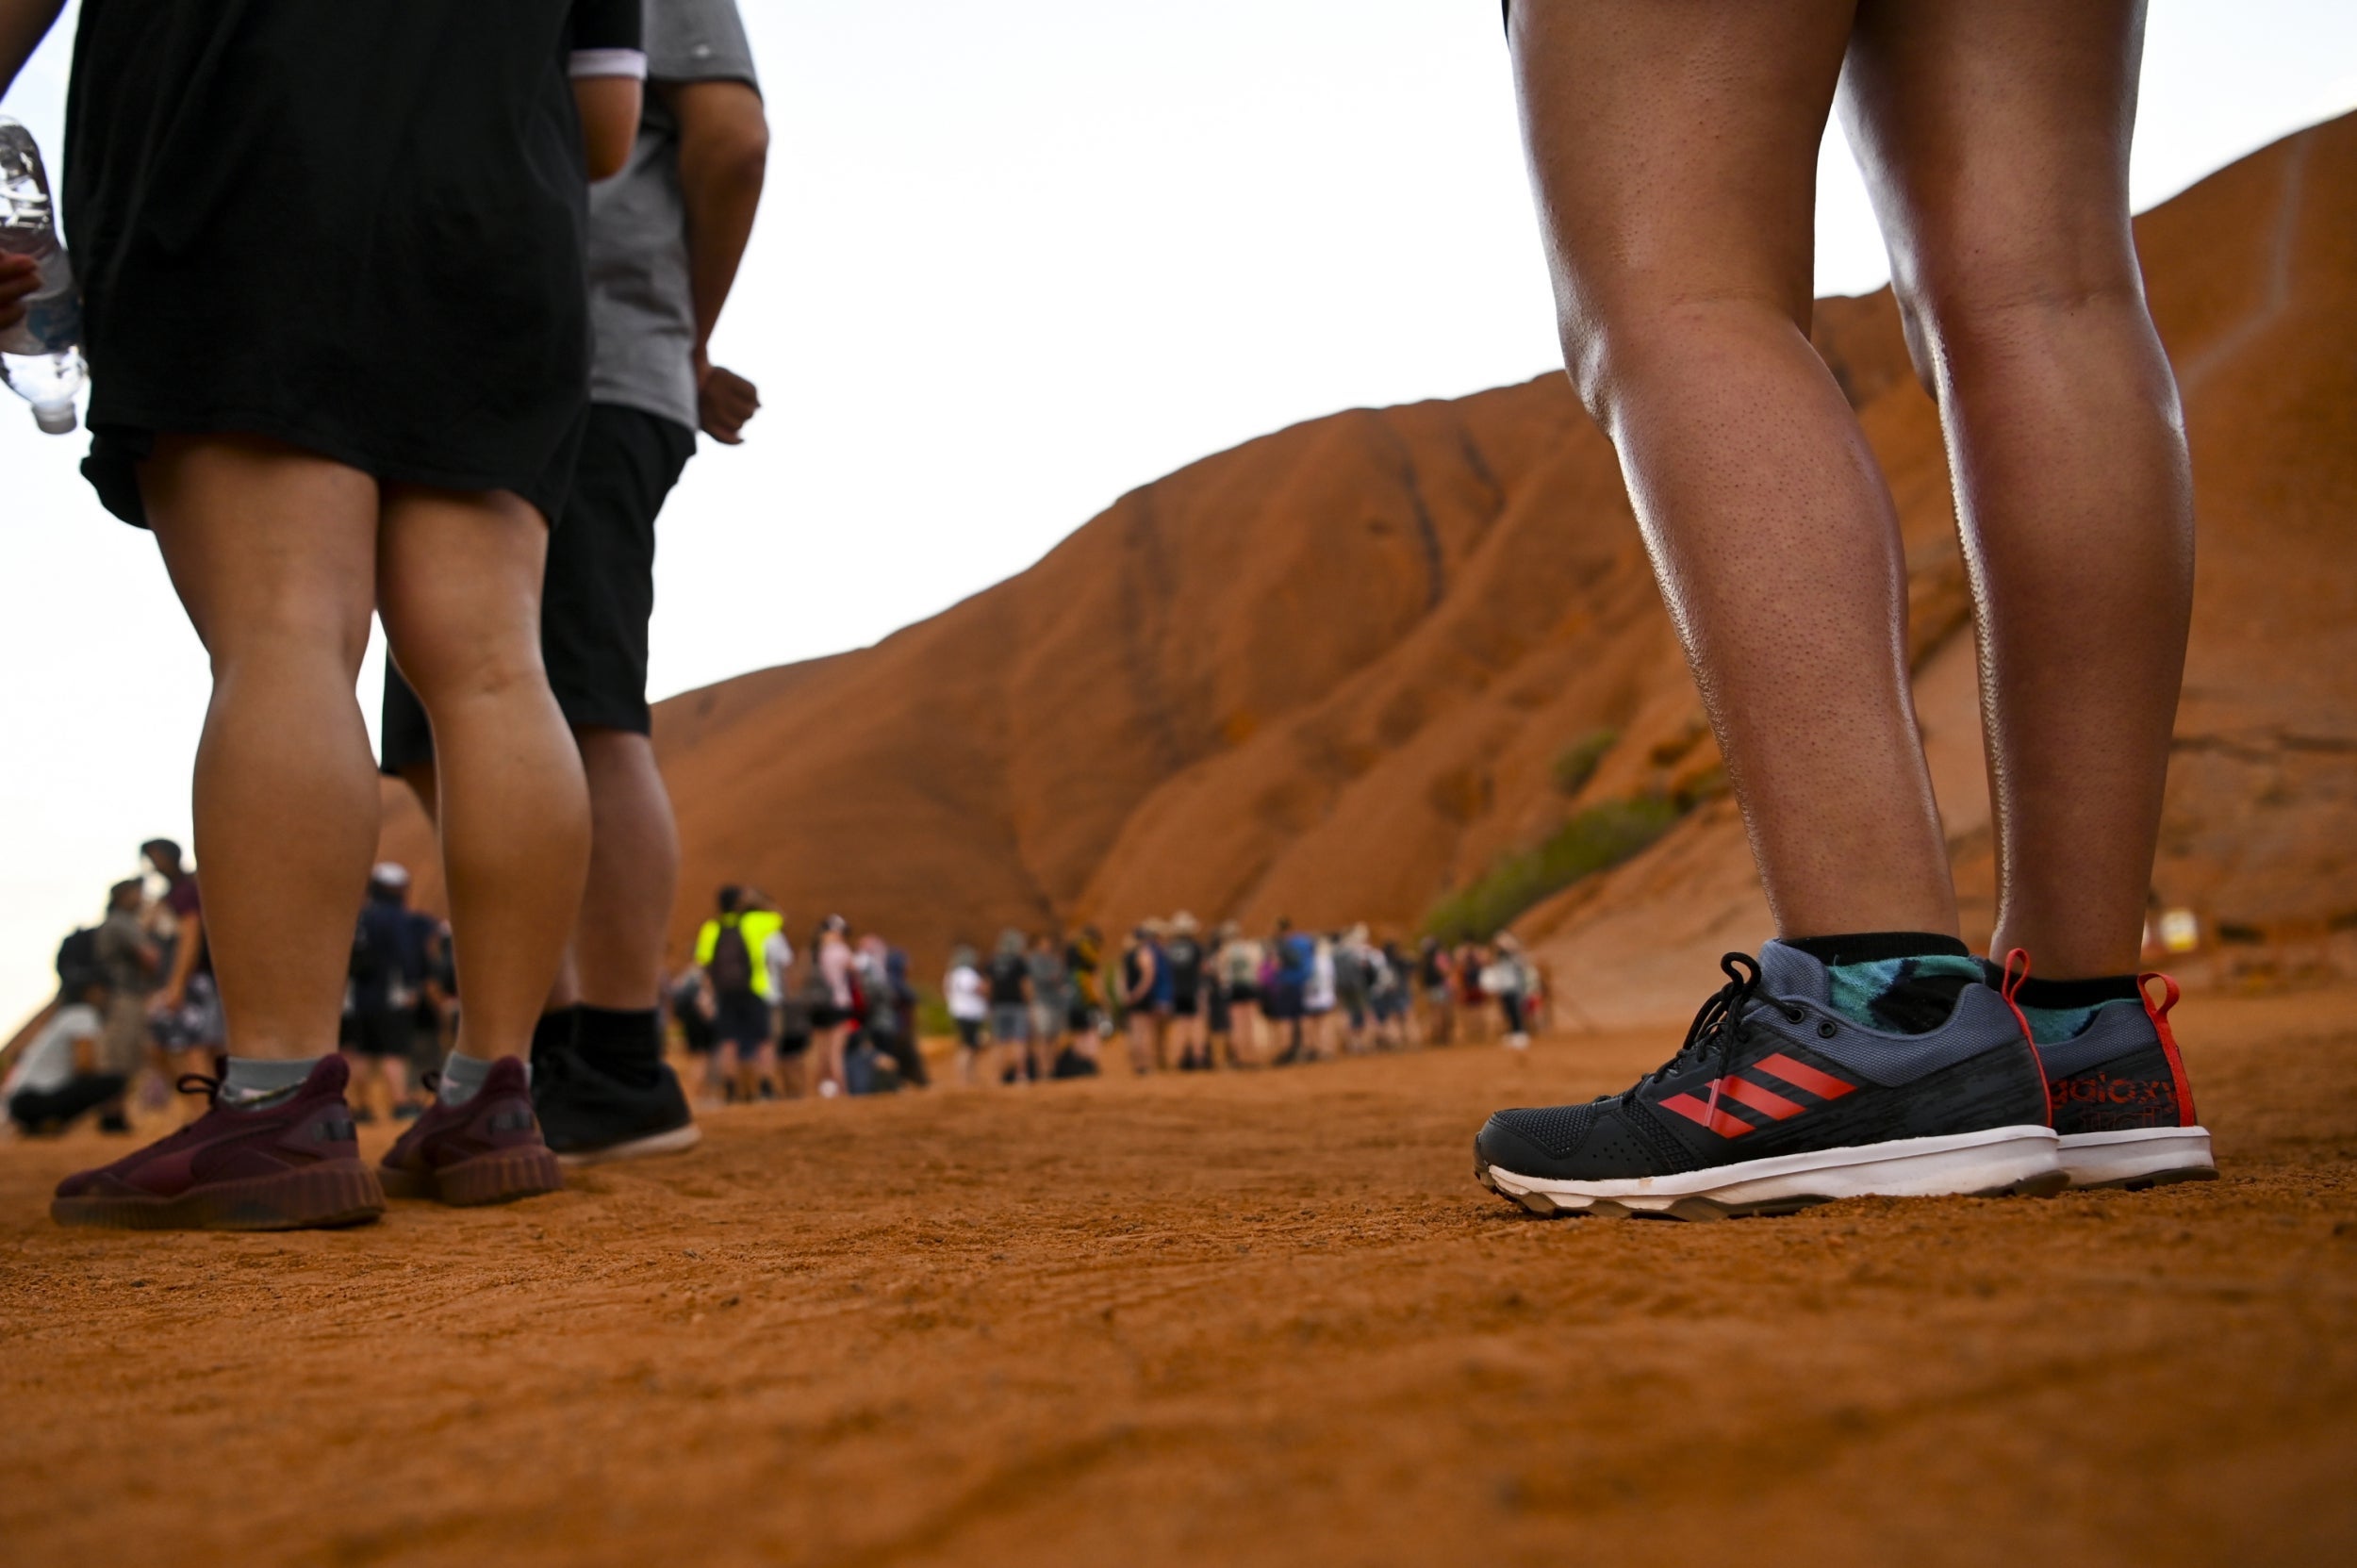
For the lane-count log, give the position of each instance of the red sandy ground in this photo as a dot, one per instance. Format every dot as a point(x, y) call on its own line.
point(1252, 1319)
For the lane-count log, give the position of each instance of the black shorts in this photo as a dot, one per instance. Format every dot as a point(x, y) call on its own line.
point(599, 589)
point(55, 1110)
point(741, 1019)
point(384, 1031)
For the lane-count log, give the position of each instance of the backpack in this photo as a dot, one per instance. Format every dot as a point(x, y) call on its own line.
point(78, 958)
point(731, 964)
point(869, 1072)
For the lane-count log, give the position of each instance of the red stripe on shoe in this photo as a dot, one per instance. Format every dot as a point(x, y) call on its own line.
point(1704, 1115)
point(1801, 1076)
point(1759, 1098)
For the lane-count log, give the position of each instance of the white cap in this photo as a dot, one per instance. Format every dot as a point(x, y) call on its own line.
point(388, 873)
point(55, 417)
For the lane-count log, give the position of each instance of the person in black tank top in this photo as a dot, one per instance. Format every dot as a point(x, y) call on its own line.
point(1139, 977)
point(1185, 956)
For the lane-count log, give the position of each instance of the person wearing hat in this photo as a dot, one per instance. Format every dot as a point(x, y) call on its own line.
point(388, 972)
point(1507, 980)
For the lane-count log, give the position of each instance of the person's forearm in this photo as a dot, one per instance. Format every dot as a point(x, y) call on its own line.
point(723, 159)
point(184, 955)
point(23, 24)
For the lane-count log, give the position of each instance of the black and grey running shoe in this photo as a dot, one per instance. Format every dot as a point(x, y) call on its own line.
point(2124, 1107)
point(1776, 1101)
point(589, 1115)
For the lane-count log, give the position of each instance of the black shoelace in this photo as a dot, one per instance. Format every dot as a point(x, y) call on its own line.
point(1719, 1029)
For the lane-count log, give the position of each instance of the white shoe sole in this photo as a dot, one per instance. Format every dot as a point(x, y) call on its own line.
point(638, 1148)
point(2141, 1157)
point(2001, 1161)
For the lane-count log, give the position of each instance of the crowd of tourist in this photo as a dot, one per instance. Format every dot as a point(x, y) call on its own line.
point(138, 1013)
point(137, 1008)
point(842, 1015)
point(1186, 999)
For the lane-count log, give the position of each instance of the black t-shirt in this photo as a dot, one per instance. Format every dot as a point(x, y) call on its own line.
point(1008, 972)
point(356, 226)
point(1186, 965)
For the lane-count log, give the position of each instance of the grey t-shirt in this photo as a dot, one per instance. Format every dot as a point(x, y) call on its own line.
point(640, 307)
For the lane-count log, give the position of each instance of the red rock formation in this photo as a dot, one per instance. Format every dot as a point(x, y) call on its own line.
point(1327, 674)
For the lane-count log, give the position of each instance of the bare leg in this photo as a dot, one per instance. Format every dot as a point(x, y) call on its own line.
point(1994, 134)
point(634, 873)
point(830, 1045)
point(1675, 145)
point(614, 959)
point(459, 590)
point(273, 553)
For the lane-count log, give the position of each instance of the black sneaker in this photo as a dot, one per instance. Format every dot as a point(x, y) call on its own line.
point(589, 1115)
point(1776, 1101)
point(2122, 1105)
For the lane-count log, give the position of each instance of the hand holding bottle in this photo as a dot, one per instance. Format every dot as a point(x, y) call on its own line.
point(20, 275)
point(41, 317)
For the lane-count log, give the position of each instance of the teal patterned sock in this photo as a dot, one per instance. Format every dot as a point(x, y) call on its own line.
point(1905, 996)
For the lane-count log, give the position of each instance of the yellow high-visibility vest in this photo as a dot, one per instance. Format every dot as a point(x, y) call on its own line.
point(758, 926)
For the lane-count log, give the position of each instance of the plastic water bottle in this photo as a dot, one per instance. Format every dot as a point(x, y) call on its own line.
point(40, 356)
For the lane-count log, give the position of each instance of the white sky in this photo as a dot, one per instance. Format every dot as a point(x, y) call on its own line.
point(1014, 260)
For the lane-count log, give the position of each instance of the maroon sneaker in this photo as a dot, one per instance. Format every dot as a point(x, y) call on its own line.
point(290, 1166)
point(487, 1150)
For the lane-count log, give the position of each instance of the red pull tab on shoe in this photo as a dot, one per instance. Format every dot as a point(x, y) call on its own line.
point(2159, 1015)
point(2008, 984)
point(2012, 983)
